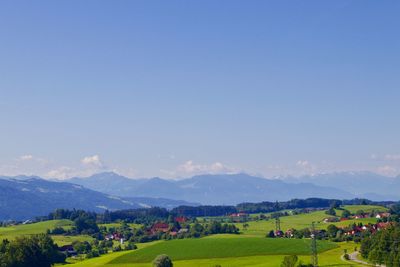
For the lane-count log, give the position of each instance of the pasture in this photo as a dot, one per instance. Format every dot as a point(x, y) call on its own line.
point(330, 257)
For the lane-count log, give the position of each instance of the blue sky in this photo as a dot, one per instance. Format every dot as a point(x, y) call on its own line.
point(177, 88)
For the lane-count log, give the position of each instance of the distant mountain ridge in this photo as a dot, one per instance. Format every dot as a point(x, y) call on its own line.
point(25, 197)
point(211, 189)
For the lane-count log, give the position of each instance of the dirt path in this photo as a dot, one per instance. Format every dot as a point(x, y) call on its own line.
point(353, 257)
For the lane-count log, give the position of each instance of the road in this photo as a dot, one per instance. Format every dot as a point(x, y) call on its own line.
point(353, 257)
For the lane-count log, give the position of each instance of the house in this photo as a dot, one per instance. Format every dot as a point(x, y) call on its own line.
point(382, 215)
point(289, 233)
point(68, 250)
point(239, 214)
point(159, 227)
point(331, 219)
point(183, 230)
point(279, 233)
point(360, 216)
point(173, 233)
point(180, 219)
point(114, 236)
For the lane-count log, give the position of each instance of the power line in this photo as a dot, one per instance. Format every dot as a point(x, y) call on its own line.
point(314, 252)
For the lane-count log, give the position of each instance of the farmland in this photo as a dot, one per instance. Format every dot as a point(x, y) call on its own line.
point(249, 248)
point(272, 258)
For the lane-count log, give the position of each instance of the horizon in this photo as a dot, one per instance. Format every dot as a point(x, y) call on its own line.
point(278, 177)
point(182, 89)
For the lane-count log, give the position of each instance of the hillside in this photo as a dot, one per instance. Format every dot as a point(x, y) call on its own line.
point(26, 198)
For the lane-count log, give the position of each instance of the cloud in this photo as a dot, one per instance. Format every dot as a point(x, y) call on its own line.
point(26, 157)
point(93, 161)
point(303, 163)
point(60, 173)
point(306, 167)
point(190, 168)
point(387, 170)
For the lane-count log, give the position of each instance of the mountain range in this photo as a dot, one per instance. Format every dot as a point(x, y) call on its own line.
point(236, 188)
point(23, 197)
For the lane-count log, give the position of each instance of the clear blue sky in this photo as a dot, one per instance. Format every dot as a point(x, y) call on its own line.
point(175, 88)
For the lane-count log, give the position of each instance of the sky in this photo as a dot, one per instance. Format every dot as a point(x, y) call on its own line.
point(179, 88)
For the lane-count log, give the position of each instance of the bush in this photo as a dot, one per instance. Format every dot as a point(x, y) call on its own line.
point(289, 261)
point(162, 261)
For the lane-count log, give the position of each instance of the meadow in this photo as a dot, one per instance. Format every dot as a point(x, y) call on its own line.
point(250, 248)
point(11, 232)
point(271, 258)
point(301, 221)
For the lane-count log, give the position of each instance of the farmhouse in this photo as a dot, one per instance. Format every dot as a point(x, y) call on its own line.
point(159, 227)
point(382, 215)
point(68, 250)
point(180, 219)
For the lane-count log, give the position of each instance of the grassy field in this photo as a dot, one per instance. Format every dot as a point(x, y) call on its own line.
point(208, 248)
point(11, 232)
point(301, 221)
point(366, 208)
point(116, 225)
point(247, 249)
point(331, 257)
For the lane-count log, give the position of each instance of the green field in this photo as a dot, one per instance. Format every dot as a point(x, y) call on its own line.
point(208, 248)
point(11, 232)
point(116, 225)
point(301, 221)
point(331, 257)
point(250, 248)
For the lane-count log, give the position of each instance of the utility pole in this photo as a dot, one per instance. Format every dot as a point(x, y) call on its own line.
point(314, 252)
point(277, 224)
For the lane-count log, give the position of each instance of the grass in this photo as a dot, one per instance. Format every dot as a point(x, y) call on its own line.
point(365, 208)
point(301, 221)
point(210, 248)
point(124, 259)
point(11, 232)
point(116, 225)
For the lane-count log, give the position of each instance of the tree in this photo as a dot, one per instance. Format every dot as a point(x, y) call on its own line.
point(162, 261)
point(346, 214)
point(289, 261)
point(331, 211)
point(332, 230)
point(37, 250)
point(271, 234)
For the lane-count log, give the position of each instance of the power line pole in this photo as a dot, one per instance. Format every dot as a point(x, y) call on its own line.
point(277, 224)
point(314, 252)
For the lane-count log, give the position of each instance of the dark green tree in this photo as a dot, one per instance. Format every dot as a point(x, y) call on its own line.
point(162, 261)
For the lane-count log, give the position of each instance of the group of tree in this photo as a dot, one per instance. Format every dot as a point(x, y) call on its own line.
point(36, 250)
point(383, 247)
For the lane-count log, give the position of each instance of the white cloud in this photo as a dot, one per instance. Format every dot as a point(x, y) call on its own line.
point(387, 170)
point(26, 157)
point(190, 168)
point(302, 163)
point(93, 161)
point(60, 173)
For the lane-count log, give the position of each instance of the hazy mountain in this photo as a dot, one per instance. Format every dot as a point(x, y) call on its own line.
point(363, 184)
point(209, 189)
point(26, 197)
